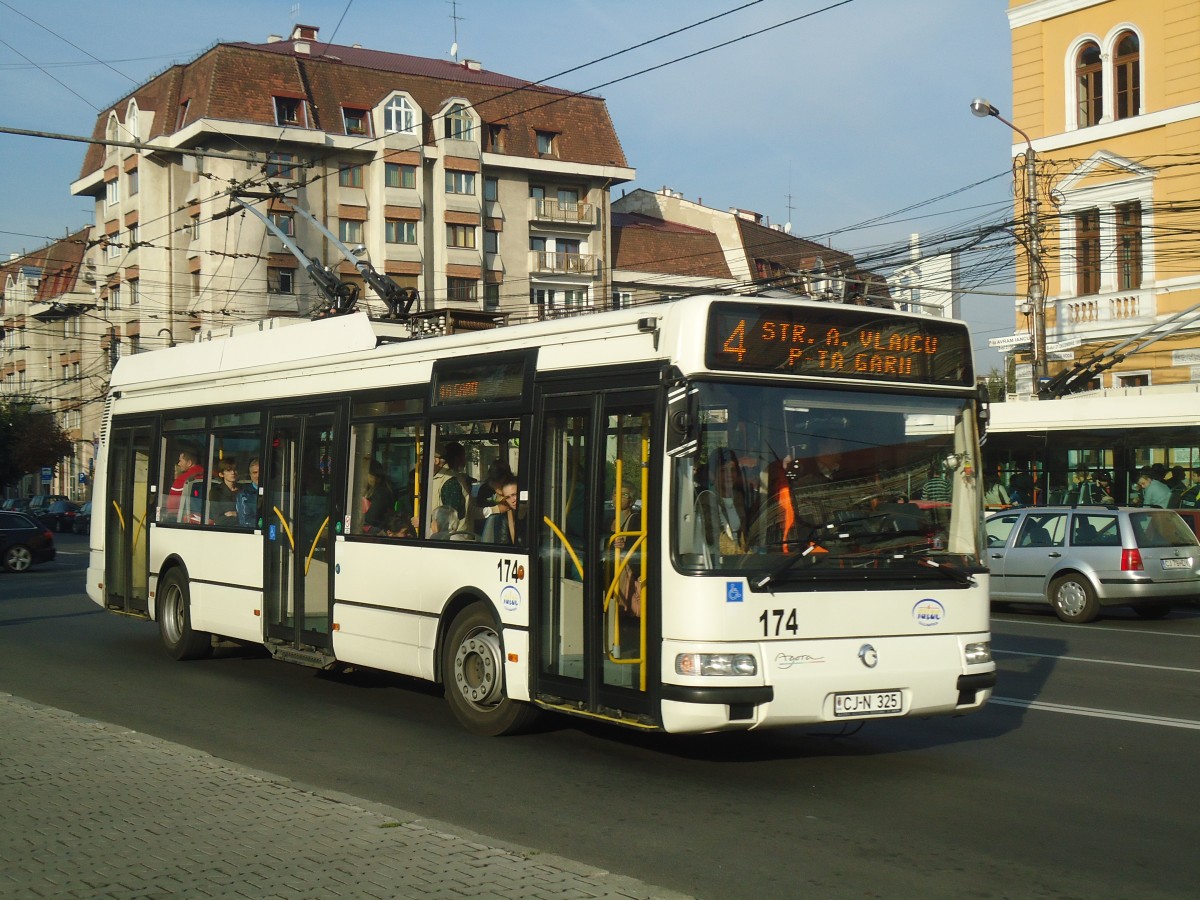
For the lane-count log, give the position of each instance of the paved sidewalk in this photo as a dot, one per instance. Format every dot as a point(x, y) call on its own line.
point(89, 809)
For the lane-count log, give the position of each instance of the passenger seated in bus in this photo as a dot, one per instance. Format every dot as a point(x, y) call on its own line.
point(451, 487)
point(502, 526)
point(726, 508)
point(399, 526)
point(223, 495)
point(379, 499)
point(187, 471)
point(443, 523)
point(249, 504)
point(487, 496)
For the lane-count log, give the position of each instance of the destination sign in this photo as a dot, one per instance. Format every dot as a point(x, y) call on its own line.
point(838, 342)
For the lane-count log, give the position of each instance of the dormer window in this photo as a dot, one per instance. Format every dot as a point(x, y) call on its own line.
point(289, 111)
point(113, 127)
point(459, 125)
point(545, 142)
point(355, 121)
point(399, 117)
point(1127, 76)
point(1089, 85)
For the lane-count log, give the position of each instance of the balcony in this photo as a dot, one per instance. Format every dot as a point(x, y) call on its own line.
point(1082, 316)
point(560, 213)
point(546, 263)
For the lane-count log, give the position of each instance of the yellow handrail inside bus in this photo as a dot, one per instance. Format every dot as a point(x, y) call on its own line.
point(120, 517)
point(313, 548)
point(286, 530)
point(140, 522)
point(567, 544)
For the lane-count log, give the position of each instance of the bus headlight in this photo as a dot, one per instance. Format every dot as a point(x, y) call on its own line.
point(977, 653)
point(716, 664)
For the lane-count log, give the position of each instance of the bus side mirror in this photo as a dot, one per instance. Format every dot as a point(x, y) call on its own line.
point(681, 420)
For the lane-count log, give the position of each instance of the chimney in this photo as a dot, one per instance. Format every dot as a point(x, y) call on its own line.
point(274, 38)
point(473, 64)
point(305, 33)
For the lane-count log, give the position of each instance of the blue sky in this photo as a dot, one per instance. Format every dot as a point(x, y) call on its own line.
point(849, 115)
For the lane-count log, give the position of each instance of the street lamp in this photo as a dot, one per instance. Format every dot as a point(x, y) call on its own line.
point(1033, 253)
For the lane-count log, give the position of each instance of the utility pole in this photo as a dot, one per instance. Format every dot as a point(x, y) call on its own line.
point(1035, 300)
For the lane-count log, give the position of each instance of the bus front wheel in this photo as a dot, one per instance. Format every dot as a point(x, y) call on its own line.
point(174, 616)
point(473, 671)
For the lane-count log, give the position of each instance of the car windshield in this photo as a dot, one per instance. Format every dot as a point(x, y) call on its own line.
point(858, 484)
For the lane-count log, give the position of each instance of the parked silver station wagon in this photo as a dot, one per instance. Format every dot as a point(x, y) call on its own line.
point(1081, 558)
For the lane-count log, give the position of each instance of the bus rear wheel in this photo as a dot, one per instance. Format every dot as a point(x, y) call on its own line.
point(174, 614)
point(473, 672)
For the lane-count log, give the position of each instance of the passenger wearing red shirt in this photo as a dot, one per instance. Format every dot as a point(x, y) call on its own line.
point(186, 469)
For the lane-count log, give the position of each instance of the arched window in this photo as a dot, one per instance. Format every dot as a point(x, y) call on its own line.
point(399, 116)
point(131, 122)
point(1089, 85)
point(1127, 76)
point(114, 128)
point(459, 126)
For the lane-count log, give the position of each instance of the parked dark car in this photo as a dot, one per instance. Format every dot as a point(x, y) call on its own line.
point(59, 516)
point(23, 542)
point(39, 503)
point(83, 519)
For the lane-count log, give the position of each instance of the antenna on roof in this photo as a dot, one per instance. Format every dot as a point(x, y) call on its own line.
point(455, 16)
point(295, 12)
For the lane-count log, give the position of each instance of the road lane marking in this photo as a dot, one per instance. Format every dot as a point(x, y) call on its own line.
point(1103, 662)
point(1092, 628)
point(1097, 713)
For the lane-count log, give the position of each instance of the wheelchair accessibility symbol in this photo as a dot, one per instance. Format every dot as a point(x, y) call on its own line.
point(733, 592)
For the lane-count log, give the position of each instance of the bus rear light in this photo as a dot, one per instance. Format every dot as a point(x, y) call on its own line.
point(1131, 560)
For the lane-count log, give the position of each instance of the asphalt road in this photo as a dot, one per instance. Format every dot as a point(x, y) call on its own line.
point(1080, 779)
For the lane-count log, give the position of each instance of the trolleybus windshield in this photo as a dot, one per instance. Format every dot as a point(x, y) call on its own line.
point(863, 484)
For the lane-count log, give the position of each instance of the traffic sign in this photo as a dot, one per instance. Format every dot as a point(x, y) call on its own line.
point(47, 474)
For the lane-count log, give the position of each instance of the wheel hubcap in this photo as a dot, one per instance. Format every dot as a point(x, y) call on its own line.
point(19, 559)
point(477, 668)
point(173, 614)
point(1071, 598)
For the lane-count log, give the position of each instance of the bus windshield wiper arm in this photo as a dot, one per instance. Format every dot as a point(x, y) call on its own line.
point(766, 580)
point(954, 573)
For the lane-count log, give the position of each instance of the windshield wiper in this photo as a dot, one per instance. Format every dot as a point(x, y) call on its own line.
point(954, 573)
point(766, 580)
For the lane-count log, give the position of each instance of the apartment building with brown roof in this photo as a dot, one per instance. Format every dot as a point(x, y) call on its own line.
point(665, 245)
point(53, 351)
point(483, 191)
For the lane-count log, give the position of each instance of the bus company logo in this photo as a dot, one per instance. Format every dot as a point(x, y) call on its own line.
point(929, 613)
point(510, 597)
point(787, 660)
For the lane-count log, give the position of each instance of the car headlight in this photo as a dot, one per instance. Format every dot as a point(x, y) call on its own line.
point(716, 664)
point(980, 652)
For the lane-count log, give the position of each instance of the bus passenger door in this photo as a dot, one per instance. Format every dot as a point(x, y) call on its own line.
point(298, 529)
point(594, 600)
point(126, 526)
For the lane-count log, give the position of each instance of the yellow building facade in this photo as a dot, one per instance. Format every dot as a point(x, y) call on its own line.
point(1108, 92)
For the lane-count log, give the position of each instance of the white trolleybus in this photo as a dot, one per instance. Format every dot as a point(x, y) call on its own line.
point(1115, 431)
point(699, 516)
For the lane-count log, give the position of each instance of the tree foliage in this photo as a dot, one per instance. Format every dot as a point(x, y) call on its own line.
point(30, 438)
